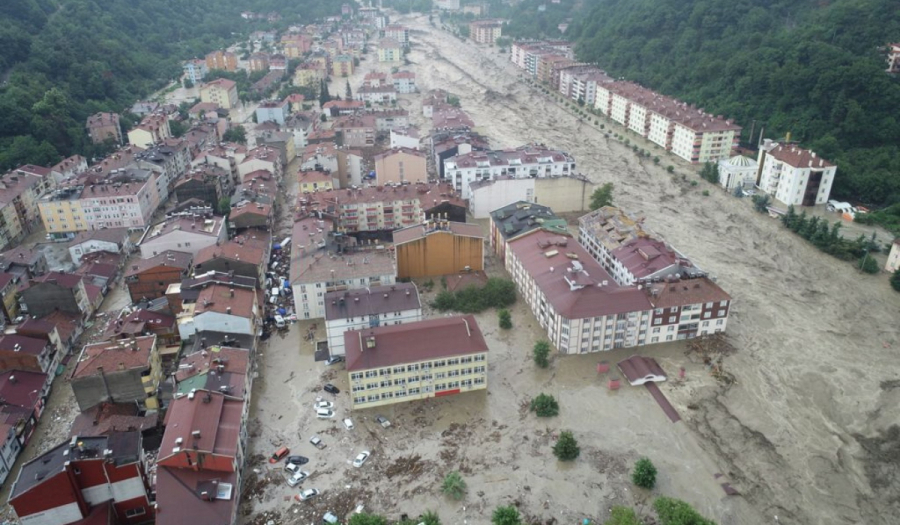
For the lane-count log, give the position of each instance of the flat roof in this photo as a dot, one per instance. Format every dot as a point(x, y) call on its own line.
point(420, 231)
point(375, 300)
point(413, 342)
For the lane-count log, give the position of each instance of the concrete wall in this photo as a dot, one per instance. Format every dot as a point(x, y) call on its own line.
point(119, 386)
point(44, 298)
point(563, 194)
point(440, 253)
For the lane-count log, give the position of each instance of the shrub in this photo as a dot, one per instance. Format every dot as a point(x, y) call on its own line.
point(670, 169)
point(672, 511)
point(619, 515)
point(454, 485)
point(761, 203)
point(497, 293)
point(705, 193)
point(367, 519)
point(544, 405)
point(541, 352)
point(655, 160)
point(566, 448)
point(693, 183)
point(505, 319)
point(430, 518)
point(644, 474)
point(506, 516)
point(868, 264)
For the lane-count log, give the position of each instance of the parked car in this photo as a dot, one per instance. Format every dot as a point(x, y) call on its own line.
point(361, 458)
point(278, 454)
point(334, 359)
point(331, 389)
point(329, 519)
point(317, 442)
point(297, 478)
point(293, 468)
point(383, 421)
point(324, 413)
point(297, 460)
point(324, 404)
point(307, 494)
point(348, 423)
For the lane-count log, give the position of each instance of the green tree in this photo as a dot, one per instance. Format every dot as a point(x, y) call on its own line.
point(710, 172)
point(670, 168)
point(602, 196)
point(508, 515)
point(505, 319)
point(348, 93)
point(224, 206)
point(541, 353)
point(454, 485)
point(619, 515)
point(235, 134)
point(761, 203)
point(895, 280)
point(178, 128)
point(367, 519)
point(868, 264)
point(544, 405)
point(430, 518)
point(672, 511)
point(644, 474)
point(566, 447)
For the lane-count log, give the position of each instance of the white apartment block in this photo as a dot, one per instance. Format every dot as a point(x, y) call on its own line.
point(368, 308)
point(530, 160)
point(793, 175)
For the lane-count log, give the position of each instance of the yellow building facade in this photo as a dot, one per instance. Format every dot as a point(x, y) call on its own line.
point(307, 77)
point(62, 215)
point(412, 361)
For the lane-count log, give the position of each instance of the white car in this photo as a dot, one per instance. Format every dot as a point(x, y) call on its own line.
point(292, 468)
point(324, 404)
point(308, 494)
point(297, 478)
point(348, 423)
point(361, 458)
point(324, 413)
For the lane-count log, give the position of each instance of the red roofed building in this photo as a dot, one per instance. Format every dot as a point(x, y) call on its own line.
point(86, 480)
point(149, 278)
point(18, 352)
point(121, 371)
point(246, 255)
point(257, 215)
point(793, 175)
point(221, 308)
point(438, 247)
point(433, 358)
point(200, 460)
point(53, 291)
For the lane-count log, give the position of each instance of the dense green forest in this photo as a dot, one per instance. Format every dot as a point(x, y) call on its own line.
point(811, 68)
point(62, 60)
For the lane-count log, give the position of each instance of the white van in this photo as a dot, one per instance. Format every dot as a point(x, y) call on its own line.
point(279, 322)
point(324, 413)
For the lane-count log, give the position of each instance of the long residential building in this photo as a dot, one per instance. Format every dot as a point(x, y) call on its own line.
point(368, 308)
point(412, 361)
point(531, 160)
point(793, 175)
point(686, 131)
point(584, 310)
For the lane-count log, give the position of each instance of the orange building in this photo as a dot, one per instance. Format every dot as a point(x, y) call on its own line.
point(438, 248)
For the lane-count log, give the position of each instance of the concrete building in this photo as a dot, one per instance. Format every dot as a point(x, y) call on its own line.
point(405, 137)
point(519, 218)
point(315, 272)
point(533, 161)
point(245, 255)
point(221, 308)
point(195, 70)
point(437, 248)
point(793, 175)
point(60, 291)
point(184, 234)
point(369, 308)
point(401, 165)
point(123, 371)
point(485, 31)
point(893, 58)
point(259, 62)
point(104, 126)
point(221, 91)
point(114, 240)
point(413, 361)
point(152, 129)
point(738, 171)
point(149, 278)
point(566, 193)
point(276, 111)
point(383, 95)
point(342, 66)
point(389, 50)
point(222, 60)
point(20, 190)
point(18, 352)
point(86, 480)
point(398, 33)
point(404, 82)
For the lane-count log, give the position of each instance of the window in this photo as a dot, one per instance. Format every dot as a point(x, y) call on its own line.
point(371, 373)
point(721, 313)
point(399, 369)
point(371, 386)
point(673, 309)
point(358, 388)
point(668, 338)
point(479, 380)
point(451, 362)
point(657, 321)
point(438, 364)
point(131, 513)
point(440, 375)
point(654, 340)
point(656, 330)
point(723, 304)
point(453, 373)
point(706, 315)
point(719, 322)
point(479, 357)
point(385, 384)
point(412, 368)
point(356, 376)
point(709, 305)
point(414, 391)
point(672, 319)
point(399, 382)
point(360, 399)
point(479, 369)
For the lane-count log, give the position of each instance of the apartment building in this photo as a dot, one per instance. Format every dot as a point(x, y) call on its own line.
point(246, 255)
point(221, 308)
point(125, 200)
point(121, 371)
point(794, 175)
point(188, 234)
point(413, 361)
point(384, 94)
point(400, 165)
point(20, 190)
point(65, 292)
point(149, 278)
point(405, 137)
point(195, 70)
point(368, 308)
point(356, 131)
point(223, 60)
point(485, 31)
point(404, 82)
point(259, 62)
point(316, 270)
point(342, 66)
point(96, 479)
point(530, 160)
point(524, 52)
point(683, 129)
point(221, 91)
point(398, 33)
point(18, 352)
point(520, 218)
point(112, 240)
point(438, 247)
point(388, 119)
point(313, 181)
point(104, 126)
point(153, 128)
point(390, 50)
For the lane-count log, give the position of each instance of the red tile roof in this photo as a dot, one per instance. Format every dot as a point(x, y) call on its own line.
point(413, 342)
point(180, 260)
point(120, 355)
point(683, 292)
point(218, 419)
point(178, 497)
point(798, 157)
point(217, 298)
point(107, 418)
point(420, 231)
point(22, 344)
point(644, 256)
point(21, 388)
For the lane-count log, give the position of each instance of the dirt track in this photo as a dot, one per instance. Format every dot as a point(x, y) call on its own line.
point(805, 432)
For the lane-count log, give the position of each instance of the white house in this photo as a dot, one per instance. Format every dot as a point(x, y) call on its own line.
point(793, 175)
point(188, 233)
point(113, 240)
point(406, 137)
point(223, 309)
point(530, 160)
point(738, 171)
point(368, 308)
point(275, 111)
point(404, 82)
point(376, 95)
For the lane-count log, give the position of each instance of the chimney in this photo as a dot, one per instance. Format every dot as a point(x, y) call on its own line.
point(228, 310)
point(232, 292)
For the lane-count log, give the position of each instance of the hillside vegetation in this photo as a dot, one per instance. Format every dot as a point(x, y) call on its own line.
point(62, 60)
point(811, 68)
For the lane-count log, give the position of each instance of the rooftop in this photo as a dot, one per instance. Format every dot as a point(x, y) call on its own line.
point(214, 417)
point(413, 342)
point(171, 258)
point(420, 231)
point(311, 263)
point(137, 323)
point(679, 292)
point(521, 217)
point(398, 151)
point(124, 354)
point(222, 299)
point(799, 157)
point(248, 247)
point(22, 388)
point(180, 499)
point(25, 345)
point(220, 82)
point(527, 154)
point(374, 300)
point(217, 369)
point(613, 227)
point(109, 418)
point(206, 226)
point(111, 235)
point(644, 256)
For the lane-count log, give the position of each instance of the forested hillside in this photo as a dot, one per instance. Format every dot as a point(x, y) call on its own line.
point(812, 68)
point(62, 60)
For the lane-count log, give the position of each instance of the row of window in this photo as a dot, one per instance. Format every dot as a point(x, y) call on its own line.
point(402, 369)
point(372, 398)
point(357, 376)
